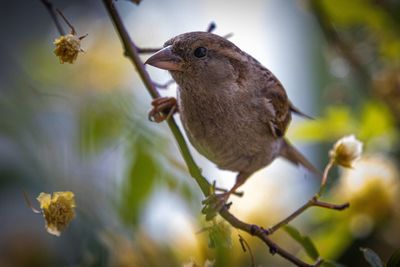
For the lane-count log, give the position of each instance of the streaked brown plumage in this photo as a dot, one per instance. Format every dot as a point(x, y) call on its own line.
point(235, 111)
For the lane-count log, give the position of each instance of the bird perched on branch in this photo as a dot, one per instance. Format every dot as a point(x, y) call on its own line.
point(235, 111)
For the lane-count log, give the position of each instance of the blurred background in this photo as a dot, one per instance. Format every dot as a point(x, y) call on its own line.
point(83, 127)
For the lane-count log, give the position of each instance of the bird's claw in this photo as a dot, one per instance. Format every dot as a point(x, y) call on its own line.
point(163, 109)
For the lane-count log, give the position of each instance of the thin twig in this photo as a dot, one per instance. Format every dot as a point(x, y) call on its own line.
point(325, 177)
point(291, 217)
point(259, 232)
point(327, 205)
point(245, 247)
point(50, 9)
point(73, 32)
point(29, 203)
point(313, 202)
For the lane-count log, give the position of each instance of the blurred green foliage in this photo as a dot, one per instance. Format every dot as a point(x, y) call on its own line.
point(219, 234)
point(100, 124)
point(304, 241)
point(142, 172)
point(379, 25)
point(372, 122)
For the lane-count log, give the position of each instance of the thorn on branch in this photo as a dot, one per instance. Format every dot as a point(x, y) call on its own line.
point(83, 36)
point(227, 36)
point(211, 27)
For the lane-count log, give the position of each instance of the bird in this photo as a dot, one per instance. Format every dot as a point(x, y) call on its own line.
point(234, 111)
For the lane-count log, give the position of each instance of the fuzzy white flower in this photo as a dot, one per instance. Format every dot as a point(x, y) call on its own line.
point(346, 151)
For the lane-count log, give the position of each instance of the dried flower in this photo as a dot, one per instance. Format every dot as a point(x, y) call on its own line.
point(346, 151)
point(67, 48)
point(58, 210)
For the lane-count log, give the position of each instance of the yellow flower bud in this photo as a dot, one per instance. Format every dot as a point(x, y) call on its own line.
point(67, 48)
point(346, 151)
point(58, 210)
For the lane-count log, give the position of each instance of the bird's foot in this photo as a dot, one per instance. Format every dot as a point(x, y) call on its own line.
point(214, 203)
point(163, 109)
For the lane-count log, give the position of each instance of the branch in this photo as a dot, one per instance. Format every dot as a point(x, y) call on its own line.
point(52, 12)
point(73, 32)
point(263, 235)
point(312, 202)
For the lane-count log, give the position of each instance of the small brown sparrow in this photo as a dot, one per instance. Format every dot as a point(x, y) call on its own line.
point(235, 111)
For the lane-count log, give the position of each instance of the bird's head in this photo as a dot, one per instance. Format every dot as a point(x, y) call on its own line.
point(199, 57)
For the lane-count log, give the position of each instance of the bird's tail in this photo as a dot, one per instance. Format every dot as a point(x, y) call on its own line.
point(290, 153)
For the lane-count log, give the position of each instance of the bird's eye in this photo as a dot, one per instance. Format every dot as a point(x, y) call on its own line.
point(200, 52)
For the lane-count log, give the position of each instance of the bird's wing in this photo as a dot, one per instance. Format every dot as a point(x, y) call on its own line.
point(278, 108)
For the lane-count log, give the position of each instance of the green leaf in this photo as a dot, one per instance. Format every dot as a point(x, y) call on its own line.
point(372, 258)
point(139, 182)
point(220, 235)
point(394, 260)
point(304, 241)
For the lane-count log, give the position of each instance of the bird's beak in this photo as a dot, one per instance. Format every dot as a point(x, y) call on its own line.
point(165, 59)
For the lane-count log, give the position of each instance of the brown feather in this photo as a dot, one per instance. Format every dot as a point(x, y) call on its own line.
point(290, 153)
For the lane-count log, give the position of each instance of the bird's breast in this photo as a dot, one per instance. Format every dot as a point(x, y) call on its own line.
point(225, 127)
